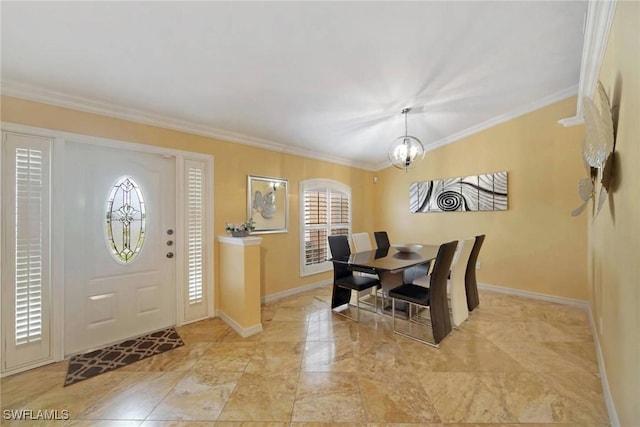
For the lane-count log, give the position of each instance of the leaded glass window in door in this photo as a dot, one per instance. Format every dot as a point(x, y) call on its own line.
point(125, 226)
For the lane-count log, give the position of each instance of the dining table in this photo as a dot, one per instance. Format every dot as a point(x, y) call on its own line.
point(394, 267)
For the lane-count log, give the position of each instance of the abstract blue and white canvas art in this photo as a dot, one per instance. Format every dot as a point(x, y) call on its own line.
point(486, 192)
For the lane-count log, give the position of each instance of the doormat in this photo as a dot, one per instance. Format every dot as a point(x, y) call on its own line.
point(84, 366)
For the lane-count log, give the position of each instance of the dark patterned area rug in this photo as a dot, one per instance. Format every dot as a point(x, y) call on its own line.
point(89, 365)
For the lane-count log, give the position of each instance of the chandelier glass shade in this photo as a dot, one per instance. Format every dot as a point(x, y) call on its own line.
point(405, 150)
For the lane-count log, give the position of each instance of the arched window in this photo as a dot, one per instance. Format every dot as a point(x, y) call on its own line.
point(325, 210)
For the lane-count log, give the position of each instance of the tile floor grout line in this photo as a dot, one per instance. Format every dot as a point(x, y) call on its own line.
point(541, 352)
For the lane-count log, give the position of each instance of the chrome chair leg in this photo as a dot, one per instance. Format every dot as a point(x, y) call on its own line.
point(410, 321)
point(357, 317)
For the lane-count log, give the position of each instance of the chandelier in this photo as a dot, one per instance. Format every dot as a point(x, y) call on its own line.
point(405, 150)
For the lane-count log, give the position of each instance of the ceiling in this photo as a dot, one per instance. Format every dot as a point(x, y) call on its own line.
point(326, 80)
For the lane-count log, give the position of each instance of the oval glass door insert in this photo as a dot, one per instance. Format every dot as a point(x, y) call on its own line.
point(125, 220)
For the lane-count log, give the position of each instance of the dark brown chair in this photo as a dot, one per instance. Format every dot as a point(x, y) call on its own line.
point(344, 281)
point(434, 297)
point(470, 282)
point(382, 239)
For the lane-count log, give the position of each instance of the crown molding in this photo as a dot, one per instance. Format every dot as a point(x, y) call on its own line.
point(46, 96)
point(517, 112)
point(596, 35)
point(38, 94)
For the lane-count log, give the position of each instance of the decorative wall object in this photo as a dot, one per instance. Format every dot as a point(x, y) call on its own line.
point(597, 151)
point(267, 204)
point(486, 192)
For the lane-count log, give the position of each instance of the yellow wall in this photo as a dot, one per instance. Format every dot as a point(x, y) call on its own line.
point(232, 164)
point(536, 245)
point(239, 295)
point(614, 235)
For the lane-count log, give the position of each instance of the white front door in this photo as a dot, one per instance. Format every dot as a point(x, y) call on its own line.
point(119, 231)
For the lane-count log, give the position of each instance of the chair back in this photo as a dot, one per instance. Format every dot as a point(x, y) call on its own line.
point(461, 259)
point(382, 239)
point(457, 291)
point(471, 285)
point(440, 319)
point(339, 247)
point(361, 242)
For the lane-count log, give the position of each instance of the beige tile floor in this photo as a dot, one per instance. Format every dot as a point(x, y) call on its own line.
point(515, 361)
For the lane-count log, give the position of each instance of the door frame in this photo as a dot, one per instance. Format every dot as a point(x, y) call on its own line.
point(58, 214)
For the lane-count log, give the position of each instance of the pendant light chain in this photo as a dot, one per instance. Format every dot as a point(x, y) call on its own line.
point(405, 111)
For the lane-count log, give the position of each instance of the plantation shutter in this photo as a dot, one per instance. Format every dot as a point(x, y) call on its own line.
point(315, 220)
point(29, 250)
point(326, 210)
point(26, 269)
point(195, 304)
point(340, 221)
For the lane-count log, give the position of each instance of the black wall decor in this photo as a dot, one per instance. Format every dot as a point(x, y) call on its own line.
point(486, 192)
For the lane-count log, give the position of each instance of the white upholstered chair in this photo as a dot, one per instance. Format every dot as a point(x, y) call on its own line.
point(456, 285)
point(456, 290)
point(362, 242)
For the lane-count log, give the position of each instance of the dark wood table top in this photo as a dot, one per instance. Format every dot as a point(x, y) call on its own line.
point(389, 259)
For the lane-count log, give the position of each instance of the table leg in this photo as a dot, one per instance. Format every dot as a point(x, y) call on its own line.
point(388, 281)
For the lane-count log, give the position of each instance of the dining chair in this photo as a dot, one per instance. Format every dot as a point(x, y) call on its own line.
point(344, 281)
point(470, 282)
point(456, 291)
point(433, 298)
point(456, 284)
point(382, 239)
point(362, 242)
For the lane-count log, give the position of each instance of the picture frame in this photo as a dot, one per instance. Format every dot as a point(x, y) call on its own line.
point(268, 203)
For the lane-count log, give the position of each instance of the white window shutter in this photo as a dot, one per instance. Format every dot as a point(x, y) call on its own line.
point(195, 304)
point(26, 267)
point(315, 221)
point(28, 257)
point(326, 210)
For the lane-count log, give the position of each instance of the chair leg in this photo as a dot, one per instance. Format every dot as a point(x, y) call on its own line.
point(410, 321)
point(375, 305)
point(375, 300)
point(357, 317)
point(393, 315)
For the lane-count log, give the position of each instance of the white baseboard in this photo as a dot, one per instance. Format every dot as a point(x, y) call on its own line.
point(23, 368)
point(608, 399)
point(534, 295)
point(186, 322)
point(274, 297)
point(613, 415)
point(243, 332)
